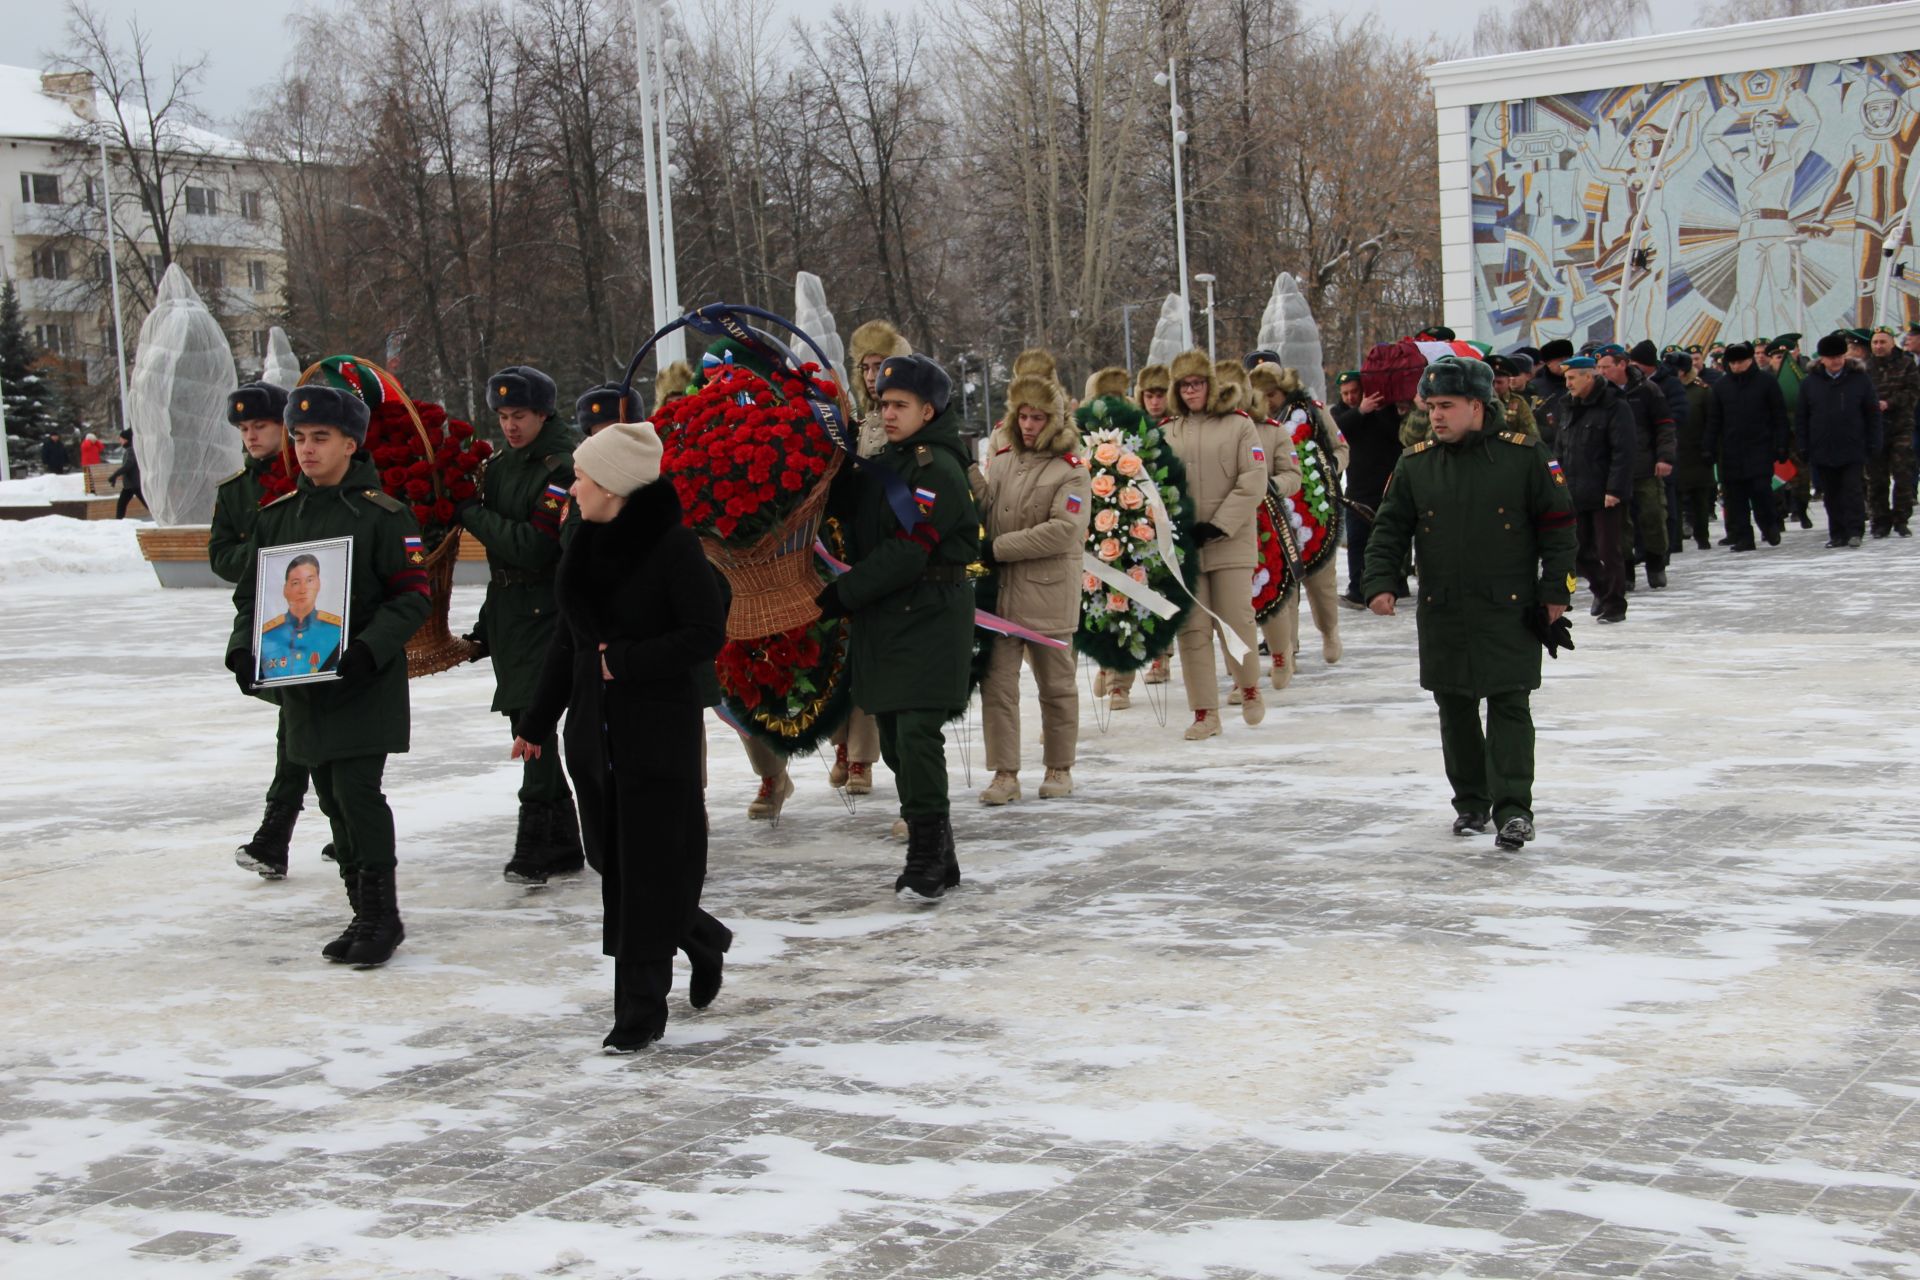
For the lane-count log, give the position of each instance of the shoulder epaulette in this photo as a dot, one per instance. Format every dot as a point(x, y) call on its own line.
point(555, 461)
point(230, 479)
point(1005, 448)
point(276, 622)
point(1243, 413)
point(324, 616)
point(922, 455)
point(282, 498)
point(1517, 437)
point(1073, 459)
point(1422, 447)
point(385, 501)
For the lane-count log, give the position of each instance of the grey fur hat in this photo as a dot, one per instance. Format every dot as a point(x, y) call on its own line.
point(1457, 376)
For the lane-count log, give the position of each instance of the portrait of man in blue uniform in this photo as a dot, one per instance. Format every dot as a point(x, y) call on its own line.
point(306, 640)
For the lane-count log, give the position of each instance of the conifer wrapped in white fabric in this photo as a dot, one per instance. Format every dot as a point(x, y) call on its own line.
point(176, 404)
point(283, 368)
point(1169, 332)
point(1288, 327)
point(813, 316)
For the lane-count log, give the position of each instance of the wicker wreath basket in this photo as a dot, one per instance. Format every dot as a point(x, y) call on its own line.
point(775, 581)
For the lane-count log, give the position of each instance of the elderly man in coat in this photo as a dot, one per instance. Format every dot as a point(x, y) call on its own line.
point(1489, 515)
point(1839, 424)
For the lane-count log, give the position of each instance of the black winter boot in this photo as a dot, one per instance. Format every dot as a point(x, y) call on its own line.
point(338, 948)
point(564, 856)
point(380, 929)
point(639, 1004)
point(925, 875)
point(1657, 574)
point(528, 865)
point(266, 853)
point(706, 945)
point(952, 877)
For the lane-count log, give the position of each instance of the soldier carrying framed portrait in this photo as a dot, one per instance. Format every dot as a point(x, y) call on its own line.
point(300, 608)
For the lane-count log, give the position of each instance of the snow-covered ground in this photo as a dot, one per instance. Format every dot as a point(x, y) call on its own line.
point(1237, 1008)
point(38, 491)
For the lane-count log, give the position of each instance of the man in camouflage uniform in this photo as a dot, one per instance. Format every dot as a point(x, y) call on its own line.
point(517, 516)
point(1493, 522)
point(1511, 374)
point(1890, 472)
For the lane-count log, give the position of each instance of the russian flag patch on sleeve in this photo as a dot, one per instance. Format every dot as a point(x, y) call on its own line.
point(1259, 453)
point(924, 498)
point(1553, 465)
point(1073, 504)
point(415, 553)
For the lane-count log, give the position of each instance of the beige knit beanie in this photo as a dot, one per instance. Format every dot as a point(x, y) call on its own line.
point(620, 457)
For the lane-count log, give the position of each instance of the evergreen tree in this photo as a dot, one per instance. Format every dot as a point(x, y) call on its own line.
point(33, 408)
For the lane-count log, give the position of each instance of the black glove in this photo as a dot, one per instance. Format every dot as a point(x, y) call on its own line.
point(478, 648)
point(240, 662)
point(463, 506)
point(357, 664)
point(1554, 636)
point(1205, 532)
point(831, 605)
point(986, 551)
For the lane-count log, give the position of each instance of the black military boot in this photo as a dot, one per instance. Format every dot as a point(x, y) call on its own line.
point(380, 930)
point(338, 948)
point(266, 853)
point(564, 856)
point(1657, 574)
point(1514, 834)
point(951, 879)
point(528, 865)
point(706, 945)
point(639, 1004)
point(925, 875)
point(1470, 824)
point(1900, 527)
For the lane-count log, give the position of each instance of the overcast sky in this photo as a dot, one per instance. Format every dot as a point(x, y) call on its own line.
point(243, 39)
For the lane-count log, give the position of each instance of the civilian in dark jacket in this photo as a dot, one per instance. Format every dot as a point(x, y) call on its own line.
point(1890, 469)
point(640, 613)
point(1839, 426)
point(1666, 380)
point(1746, 435)
point(1654, 454)
point(1372, 430)
point(54, 456)
point(1596, 452)
point(1694, 488)
point(128, 477)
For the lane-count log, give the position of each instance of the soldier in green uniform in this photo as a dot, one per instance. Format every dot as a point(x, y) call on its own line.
point(343, 730)
point(912, 531)
point(597, 406)
point(517, 516)
point(1490, 515)
point(1510, 377)
point(256, 410)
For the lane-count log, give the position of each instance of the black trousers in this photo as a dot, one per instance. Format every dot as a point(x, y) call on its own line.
point(289, 785)
point(356, 809)
point(126, 498)
point(1750, 496)
point(1491, 771)
point(1694, 509)
point(1845, 494)
point(1601, 556)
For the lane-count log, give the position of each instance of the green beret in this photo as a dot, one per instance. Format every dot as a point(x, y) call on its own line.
point(1457, 376)
point(1353, 375)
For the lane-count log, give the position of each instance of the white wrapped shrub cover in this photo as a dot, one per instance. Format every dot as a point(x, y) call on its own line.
point(283, 369)
point(1169, 332)
point(1288, 327)
point(177, 405)
point(815, 319)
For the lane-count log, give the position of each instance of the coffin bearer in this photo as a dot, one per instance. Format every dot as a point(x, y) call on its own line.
point(343, 730)
point(1488, 514)
point(911, 604)
point(1039, 498)
point(257, 409)
point(517, 516)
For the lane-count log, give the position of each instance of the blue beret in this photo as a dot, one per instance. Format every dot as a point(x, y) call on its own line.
point(1581, 362)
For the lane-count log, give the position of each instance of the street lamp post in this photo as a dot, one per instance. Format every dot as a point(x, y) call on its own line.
point(1126, 329)
point(1168, 79)
point(650, 72)
point(1206, 278)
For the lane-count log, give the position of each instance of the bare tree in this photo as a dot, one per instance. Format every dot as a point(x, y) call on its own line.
point(1551, 24)
point(1723, 13)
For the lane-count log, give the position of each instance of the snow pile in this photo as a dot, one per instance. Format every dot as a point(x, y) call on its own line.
point(61, 545)
point(38, 491)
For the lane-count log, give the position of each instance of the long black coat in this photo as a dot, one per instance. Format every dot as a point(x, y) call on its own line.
point(1373, 449)
point(1838, 418)
point(1654, 435)
point(641, 585)
point(1596, 447)
point(1746, 424)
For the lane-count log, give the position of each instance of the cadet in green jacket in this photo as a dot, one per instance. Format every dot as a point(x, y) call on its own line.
point(910, 542)
point(517, 516)
point(343, 730)
point(257, 409)
point(1492, 522)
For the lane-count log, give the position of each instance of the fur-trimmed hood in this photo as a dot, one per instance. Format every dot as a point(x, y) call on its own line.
point(1153, 377)
point(874, 338)
point(671, 383)
point(1222, 397)
point(1058, 436)
point(1036, 362)
point(1110, 381)
point(1267, 379)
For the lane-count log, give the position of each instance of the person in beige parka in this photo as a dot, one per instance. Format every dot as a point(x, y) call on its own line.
point(1226, 465)
point(1039, 498)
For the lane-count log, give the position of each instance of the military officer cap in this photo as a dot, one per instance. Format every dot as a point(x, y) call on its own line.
point(521, 386)
point(1779, 348)
point(1435, 333)
point(1886, 329)
point(1859, 337)
point(1693, 348)
point(256, 402)
point(1613, 349)
point(315, 405)
point(1522, 363)
point(598, 407)
point(1531, 353)
point(916, 375)
point(1787, 340)
point(1501, 366)
point(1346, 376)
point(1457, 376)
point(1913, 328)
point(1263, 356)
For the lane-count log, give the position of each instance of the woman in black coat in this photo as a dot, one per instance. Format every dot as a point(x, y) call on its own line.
point(641, 612)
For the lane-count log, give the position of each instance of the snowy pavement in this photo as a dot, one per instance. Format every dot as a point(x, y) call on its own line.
point(1237, 1008)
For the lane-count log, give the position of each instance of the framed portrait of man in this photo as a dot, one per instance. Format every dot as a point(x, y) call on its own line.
point(300, 611)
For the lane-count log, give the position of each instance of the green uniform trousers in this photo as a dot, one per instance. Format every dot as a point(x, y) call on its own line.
point(356, 808)
point(1650, 521)
point(543, 780)
point(1890, 479)
point(1491, 772)
point(914, 745)
point(289, 785)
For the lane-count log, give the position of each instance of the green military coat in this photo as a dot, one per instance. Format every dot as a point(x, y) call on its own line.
point(387, 602)
point(911, 603)
point(1492, 525)
point(518, 522)
point(236, 508)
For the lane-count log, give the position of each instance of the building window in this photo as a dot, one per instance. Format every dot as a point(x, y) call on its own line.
point(55, 339)
point(51, 264)
point(40, 188)
point(257, 276)
point(93, 193)
point(251, 206)
point(155, 269)
point(203, 200)
point(209, 273)
point(259, 344)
